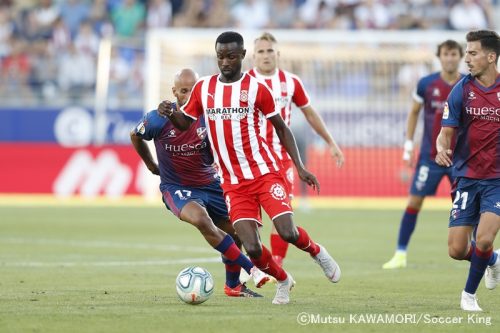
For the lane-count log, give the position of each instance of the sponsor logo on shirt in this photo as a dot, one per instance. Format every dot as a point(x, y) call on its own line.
point(489, 113)
point(471, 95)
point(227, 113)
point(171, 134)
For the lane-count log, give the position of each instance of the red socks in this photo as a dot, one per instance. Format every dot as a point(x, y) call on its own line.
point(278, 246)
point(266, 264)
point(305, 243)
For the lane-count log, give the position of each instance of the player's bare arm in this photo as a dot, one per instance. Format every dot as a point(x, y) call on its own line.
point(288, 141)
point(411, 124)
point(317, 123)
point(443, 144)
point(178, 119)
point(143, 150)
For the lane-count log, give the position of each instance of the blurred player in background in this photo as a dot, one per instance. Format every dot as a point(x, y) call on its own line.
point(287, 88)
point(431, 93)
point(189, 184)
point(232, 103)
point(473, 111)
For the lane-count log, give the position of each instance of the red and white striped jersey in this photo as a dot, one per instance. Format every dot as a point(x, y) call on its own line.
point(232, 113)
point(286, 88)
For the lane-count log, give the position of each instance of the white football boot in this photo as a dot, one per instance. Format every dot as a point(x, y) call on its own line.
point(469, 302)
point(329, 266)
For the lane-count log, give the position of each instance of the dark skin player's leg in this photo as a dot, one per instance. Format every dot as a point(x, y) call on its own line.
point(196, 215)
point(226, 226)
point(248, 234)
point(286, 228)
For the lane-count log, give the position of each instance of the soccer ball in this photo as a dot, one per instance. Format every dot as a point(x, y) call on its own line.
point(194, 285)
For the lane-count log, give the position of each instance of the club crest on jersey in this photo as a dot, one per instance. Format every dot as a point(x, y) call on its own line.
point(472, 95)
point(436, 92)
point(244, 96)
point(171, 134)
point(446, 111)
point(278, 192)
point(283, 87)
point(202, 132)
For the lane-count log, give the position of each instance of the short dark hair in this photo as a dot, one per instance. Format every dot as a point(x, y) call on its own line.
point(450, 45)
point(489, 40)
point(230, 37)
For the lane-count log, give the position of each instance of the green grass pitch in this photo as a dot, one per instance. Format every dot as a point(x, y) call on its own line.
point(113, 269)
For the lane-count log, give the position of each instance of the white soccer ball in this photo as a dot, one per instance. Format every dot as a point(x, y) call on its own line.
point(194, 285)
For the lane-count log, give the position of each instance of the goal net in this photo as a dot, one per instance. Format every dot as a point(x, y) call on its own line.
point(360, 82)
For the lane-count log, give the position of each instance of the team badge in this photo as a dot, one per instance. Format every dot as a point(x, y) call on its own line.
point(244, 96)
point(141, 128)
point(436, 92)
point(472, 95)
point(202, 132)
point(446, 111)
point(283, 88)
point(278, 192)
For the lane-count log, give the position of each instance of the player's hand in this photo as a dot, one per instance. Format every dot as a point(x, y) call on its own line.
point(309, 178)
point(155, 170)
point(165, 109)
point(337, 155)
point(443, 158)
point(408, 153)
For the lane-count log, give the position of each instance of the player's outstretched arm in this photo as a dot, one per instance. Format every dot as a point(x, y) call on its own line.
point(288, 141)
point(143, 150)
point(411, 124)
point(443, 144)
point(178, 119)
point(318, 125)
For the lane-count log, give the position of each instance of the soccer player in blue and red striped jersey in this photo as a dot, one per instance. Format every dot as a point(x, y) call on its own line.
point(473, 111)
point(190, 186)
point(431, 93)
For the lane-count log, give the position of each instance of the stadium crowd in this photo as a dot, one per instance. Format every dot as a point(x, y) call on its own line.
point(49, 47)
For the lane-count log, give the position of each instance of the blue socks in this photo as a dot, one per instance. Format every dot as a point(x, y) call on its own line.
point(408, 222)
point(478, 263)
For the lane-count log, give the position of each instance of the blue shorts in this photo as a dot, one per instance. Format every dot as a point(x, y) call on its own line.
point(175, 197)
point(428, 175)
point(471, 198)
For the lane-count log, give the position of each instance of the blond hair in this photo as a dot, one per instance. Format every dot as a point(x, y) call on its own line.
point(267, 37)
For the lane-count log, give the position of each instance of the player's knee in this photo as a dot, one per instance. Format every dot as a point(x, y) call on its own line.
point(484, 243)
point(456, 253)
point(254, 250)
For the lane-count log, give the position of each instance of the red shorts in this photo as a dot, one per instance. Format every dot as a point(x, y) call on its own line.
point(287, 173)
point(244, 200)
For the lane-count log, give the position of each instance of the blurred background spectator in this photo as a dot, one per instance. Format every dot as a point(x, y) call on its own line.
point(49, 47)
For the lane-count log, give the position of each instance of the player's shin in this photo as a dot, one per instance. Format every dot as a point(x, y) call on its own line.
point(305, 243)
point(267, 264)
point(478, 263)
point(228, 249)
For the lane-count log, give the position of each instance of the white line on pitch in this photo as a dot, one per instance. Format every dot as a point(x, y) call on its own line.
point(112, 263)
point(105, 244)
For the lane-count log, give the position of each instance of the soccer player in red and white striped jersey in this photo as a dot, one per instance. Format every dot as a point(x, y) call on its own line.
point(287, 88)
point(232, 104)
